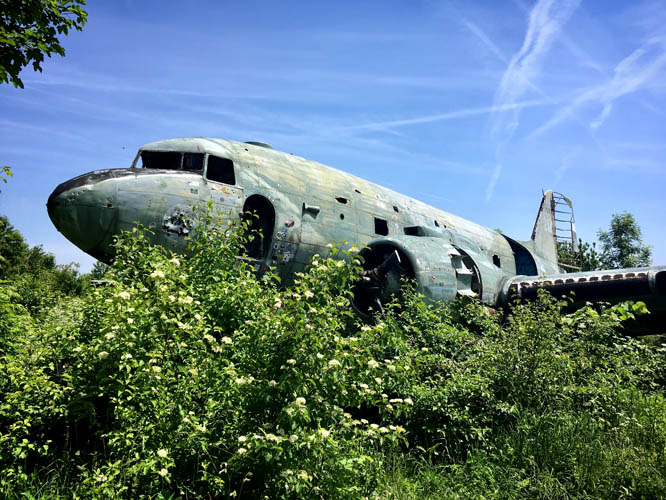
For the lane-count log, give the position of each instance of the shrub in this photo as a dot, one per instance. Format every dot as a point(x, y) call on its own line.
point(190, 376)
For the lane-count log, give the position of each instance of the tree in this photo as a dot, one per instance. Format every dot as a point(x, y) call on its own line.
point(622, 245)
point(33, 273)
point(586, 258)
point(13, 248)
point(98, 271)
point(29, 29)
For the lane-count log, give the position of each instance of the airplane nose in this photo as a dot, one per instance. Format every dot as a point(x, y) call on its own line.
point(84, 210)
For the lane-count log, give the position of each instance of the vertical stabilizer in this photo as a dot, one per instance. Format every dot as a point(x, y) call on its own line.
point(543, 234)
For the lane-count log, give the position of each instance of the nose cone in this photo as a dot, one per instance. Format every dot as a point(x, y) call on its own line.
point(83, 210)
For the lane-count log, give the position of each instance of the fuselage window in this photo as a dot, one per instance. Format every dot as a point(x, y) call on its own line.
point(165, 160)
point(381, 226)
point(221, 170)
point(193, 161)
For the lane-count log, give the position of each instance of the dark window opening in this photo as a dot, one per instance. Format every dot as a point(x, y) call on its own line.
point(221, 170)
point(342, 216)
point(436, 224)
point(341, 199)
point(525, 264)
point(496, 260)
point(260, 214)
point(413, 231)
point(193, 161)
point(357, 191)
point(395, 209)
point(381, 226)
point(165, 160)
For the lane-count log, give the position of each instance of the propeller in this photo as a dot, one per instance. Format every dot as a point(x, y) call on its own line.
point(379, 284)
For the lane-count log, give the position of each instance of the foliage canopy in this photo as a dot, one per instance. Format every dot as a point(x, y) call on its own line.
point(33, 273)
point(30, 29)
point(621, 247)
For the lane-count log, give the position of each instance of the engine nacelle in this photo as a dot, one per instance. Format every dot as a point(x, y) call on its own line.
point(443, 267)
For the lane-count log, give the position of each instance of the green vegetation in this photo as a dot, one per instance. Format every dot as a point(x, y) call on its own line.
point(5, 171)
point(35, 277)
point(621, 246)
point(189, 377)
point(29, 30)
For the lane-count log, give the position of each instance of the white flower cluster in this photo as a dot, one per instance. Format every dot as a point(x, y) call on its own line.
point(157, 274)
point(244, 380)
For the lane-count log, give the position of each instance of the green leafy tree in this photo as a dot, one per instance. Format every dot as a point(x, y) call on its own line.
point(29, 29)
point(622, 245)
point(585, 258)
point(33, 273)
point(99, 270)
point(12, 248)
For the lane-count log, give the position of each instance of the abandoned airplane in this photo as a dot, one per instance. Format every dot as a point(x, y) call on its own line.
point(303, 206)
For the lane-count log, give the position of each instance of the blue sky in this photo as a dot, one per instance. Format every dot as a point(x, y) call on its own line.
point(473, 107)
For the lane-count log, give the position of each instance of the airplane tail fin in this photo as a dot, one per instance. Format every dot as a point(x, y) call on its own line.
point(554, 223)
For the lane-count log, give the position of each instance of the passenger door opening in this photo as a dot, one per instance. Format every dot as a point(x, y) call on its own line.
point(258, 211)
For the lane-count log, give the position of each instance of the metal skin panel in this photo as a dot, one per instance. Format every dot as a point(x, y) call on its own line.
point(313, 206)
point(292, 184)
point(430, 258)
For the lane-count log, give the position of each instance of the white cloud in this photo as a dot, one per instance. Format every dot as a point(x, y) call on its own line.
point(497, 171)
point(545, 23)
point(631, 74)
point(485, 39)
point(461, 113)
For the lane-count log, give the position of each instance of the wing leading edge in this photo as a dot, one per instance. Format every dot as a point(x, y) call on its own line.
point(646, 284)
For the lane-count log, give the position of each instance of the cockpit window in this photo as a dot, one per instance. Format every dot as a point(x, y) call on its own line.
point(172, 160)
point(193, 161)
point(167, 160)
point(221, 170)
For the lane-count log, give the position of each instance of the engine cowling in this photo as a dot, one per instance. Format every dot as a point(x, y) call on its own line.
point(441, 270)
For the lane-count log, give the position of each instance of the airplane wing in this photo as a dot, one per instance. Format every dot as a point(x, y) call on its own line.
point(646, 284)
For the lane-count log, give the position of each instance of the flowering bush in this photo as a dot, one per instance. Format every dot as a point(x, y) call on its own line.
point(189, 376)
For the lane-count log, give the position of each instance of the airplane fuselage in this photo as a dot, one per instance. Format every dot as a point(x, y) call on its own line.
point(302, 207)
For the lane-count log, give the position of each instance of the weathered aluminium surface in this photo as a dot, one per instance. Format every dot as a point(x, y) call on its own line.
point(303, 206)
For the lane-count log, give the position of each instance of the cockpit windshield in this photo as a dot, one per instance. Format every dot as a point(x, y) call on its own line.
point(172, 160)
